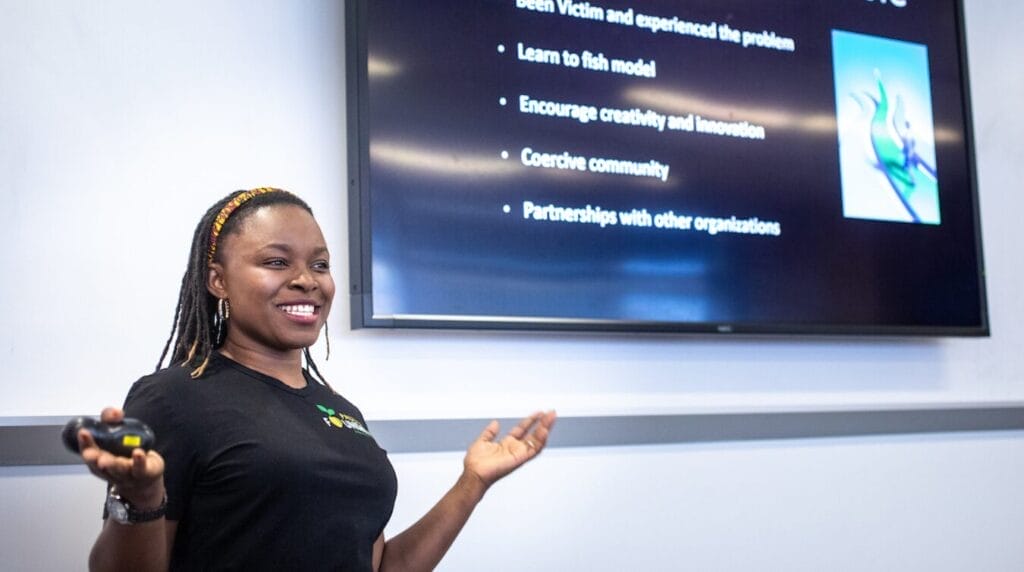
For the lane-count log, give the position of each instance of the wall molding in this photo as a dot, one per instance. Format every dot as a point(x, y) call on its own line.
point(26, 441)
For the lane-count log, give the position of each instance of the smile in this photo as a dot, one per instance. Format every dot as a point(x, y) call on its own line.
point(299, 310)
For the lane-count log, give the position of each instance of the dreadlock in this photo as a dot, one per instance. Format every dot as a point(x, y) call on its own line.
point(199, 328)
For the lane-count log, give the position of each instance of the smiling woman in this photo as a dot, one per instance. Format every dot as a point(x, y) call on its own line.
point(259, 464)
point(204, 306)
point(273, 271)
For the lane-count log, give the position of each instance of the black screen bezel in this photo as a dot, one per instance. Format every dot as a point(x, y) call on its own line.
point(361, 247)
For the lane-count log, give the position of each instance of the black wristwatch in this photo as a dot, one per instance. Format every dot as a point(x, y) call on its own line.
point(123, 512)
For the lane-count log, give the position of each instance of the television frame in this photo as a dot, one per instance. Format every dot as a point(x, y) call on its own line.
point(361, 249)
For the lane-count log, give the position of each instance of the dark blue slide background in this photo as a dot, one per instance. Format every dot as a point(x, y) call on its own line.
point(442, 245)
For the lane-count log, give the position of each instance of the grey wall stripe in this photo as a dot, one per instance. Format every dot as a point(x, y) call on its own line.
point(36, 440)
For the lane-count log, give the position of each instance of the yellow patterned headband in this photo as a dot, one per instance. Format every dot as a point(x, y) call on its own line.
point(222, 216)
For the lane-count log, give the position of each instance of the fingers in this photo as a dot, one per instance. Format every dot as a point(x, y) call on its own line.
point(524, 426)
point(114, 467)
point(112, 416)
point(88, 449)
point(530, 436)
point(85, 440)
point(533, 423)
point(531, 433)
point(139, 468)
point(129, 473)
point(105, 465)
point(548, 420)
point(489, 459)
point(538, 438)
point(489, 432)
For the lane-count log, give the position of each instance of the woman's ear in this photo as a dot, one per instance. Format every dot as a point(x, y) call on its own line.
point(215, 280)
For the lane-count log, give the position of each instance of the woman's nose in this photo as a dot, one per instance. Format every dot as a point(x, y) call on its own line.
point(303, 280)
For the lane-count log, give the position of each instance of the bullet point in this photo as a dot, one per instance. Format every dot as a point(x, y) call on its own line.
point(502, 101)
point(504, 154)
point(501, 48)
point(507, 209)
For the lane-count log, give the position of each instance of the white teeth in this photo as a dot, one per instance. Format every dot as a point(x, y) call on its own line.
point(298, 309)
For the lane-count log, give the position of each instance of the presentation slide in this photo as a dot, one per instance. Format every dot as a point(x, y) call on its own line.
point(702, 164)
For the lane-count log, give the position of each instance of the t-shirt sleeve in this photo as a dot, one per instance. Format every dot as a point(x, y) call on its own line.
point(156, 403)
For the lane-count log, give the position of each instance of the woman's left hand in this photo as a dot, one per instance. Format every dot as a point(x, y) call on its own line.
point(490, 459)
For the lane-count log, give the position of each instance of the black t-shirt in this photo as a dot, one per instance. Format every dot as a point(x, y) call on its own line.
point(262, 476)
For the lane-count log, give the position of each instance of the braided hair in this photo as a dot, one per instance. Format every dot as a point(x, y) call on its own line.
point(199, 328)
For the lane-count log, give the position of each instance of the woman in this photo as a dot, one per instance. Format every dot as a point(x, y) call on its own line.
point(259, 463)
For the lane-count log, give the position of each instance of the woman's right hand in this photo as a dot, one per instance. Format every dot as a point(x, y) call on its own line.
point(139, 479)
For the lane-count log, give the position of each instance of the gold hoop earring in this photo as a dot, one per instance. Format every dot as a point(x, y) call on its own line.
point(327, 339)
point(223, 308)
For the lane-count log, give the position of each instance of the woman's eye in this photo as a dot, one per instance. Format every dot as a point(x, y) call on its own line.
point(321, 265)
point(275, 262)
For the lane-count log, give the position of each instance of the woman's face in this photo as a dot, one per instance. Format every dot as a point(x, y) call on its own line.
point(275, 272)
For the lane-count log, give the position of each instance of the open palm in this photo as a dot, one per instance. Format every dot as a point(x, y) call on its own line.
point(491, 459)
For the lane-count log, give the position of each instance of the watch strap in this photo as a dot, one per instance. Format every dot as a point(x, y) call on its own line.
point(132, 515)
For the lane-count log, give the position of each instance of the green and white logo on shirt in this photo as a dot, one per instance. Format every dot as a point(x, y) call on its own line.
point(340, 420)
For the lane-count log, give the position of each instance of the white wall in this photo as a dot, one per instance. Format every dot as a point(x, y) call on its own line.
point(121, 121)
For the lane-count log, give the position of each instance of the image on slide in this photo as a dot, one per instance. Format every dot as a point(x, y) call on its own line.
point(885, 127)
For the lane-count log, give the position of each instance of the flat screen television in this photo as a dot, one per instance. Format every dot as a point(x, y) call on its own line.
point(726, 166)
